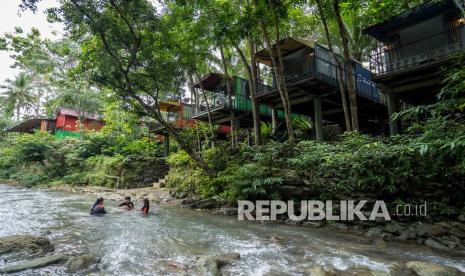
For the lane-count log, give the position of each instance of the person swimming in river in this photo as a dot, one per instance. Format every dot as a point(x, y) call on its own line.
point(145, 208)
point(127, 204)
point(98, 208)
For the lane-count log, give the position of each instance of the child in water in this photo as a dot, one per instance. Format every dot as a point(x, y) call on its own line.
point(127, 204)
point(145, 208)
point(98, 208)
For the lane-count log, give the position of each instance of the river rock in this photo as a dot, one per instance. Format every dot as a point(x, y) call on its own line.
point(318, 270)
point(211, 265)
point(79, 263)
point(199, 204)
point(374, 232)
point(432, 269)
point(35, 263)
point(24, 246)
point(458, 233)
point(435, 244)
point(407, 234)
point(430, 230)
point(394, 228)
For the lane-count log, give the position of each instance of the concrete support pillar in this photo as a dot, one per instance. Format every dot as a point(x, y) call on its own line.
point(393, 107)
point(249, 137)
point(274, 120)
point(313, 126)
point(166, 144)
point(318, 119)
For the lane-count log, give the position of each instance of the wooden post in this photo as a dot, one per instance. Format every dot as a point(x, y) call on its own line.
point(318, 119)
point(393, 107)
point(274, 120)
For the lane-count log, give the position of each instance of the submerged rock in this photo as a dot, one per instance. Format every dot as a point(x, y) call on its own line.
point(318, 270)
point(35, 263)
point(25, 246)
point(79, 263)
point(211, 265)
point(431, 269)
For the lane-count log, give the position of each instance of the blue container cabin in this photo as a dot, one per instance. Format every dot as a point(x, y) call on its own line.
point(414, 46)
point(413, 49)
point(311, 76)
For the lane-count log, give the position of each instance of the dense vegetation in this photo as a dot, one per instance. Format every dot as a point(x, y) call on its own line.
point(95, 158)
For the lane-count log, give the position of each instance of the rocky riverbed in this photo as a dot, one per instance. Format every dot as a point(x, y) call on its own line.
point(55, 235)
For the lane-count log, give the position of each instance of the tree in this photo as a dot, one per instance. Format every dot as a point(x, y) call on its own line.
point(269, 12)
point(340, 68)
point(128, 48)
point(18, 94)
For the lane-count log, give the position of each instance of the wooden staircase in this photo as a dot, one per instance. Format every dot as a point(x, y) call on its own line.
point(160, 184)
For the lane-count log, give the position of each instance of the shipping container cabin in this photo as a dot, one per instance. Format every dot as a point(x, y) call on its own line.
point(222, 109)
point(69, 122)
point(179, 115)
point(312, 84)
point(413, 48)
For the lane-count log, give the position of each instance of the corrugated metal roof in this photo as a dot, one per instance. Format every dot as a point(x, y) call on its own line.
point(286, 46)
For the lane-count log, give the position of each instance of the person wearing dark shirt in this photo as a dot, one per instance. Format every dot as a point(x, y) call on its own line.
point(98, 208)
point(145, 208)
point(127, 204)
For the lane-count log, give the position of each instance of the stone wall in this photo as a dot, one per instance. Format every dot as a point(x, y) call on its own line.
point(138, 172)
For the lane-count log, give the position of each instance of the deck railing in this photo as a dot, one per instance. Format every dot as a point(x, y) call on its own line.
point(321, 66)
point(293, 72)
point(238, 103)
point(390, 58)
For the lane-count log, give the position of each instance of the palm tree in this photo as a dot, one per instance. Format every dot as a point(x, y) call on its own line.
point(18, 94)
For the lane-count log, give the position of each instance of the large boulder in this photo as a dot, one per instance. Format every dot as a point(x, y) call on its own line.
point(35, 263)
point(432, 269)
point(21, 246)
point(79, 263)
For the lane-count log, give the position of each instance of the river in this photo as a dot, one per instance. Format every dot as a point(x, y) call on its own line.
point(130, 244)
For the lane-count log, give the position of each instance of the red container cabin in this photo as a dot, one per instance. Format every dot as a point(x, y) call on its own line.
point(68, 125)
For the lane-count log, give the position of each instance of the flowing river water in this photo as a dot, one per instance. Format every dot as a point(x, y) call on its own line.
point(130, 244)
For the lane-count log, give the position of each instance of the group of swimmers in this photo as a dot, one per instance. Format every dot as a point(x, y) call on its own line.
point(99, 207)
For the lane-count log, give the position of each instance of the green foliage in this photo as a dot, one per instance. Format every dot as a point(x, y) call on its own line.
point(249, 181)
point(40, 158)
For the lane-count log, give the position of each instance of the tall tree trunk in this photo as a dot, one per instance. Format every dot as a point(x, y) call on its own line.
point(279, 74)
point(207, 104)
point(230, 102)
point(348, 62)
point(255, 104)
point(340, 69)
point(18, 109)
point(278, 67)
point(194, 95)
point(253, 89)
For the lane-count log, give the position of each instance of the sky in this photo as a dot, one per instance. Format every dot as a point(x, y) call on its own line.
point(11, 17)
